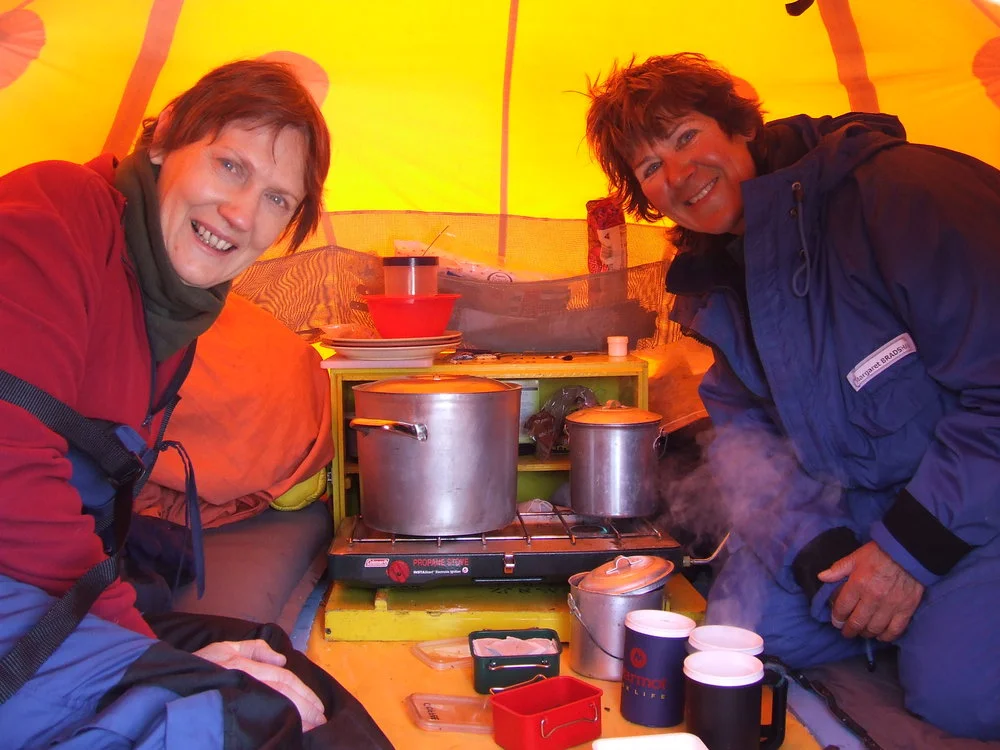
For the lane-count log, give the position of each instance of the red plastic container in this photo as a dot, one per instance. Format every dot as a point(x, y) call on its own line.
point(410, 316)
point(553, 714)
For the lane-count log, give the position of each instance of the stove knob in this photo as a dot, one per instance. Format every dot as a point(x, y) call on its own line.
point(508, 563)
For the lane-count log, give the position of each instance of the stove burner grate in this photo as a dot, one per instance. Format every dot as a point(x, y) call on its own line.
point(528, 526)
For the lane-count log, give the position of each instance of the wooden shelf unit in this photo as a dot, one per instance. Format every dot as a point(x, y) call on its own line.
point(623, 379)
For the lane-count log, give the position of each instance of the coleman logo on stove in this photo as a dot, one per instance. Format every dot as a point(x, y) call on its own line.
point(377, 562)
point(881, 360)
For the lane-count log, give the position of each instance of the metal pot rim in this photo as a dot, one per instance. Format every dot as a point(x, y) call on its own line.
point(437, 384)
point(613, 414)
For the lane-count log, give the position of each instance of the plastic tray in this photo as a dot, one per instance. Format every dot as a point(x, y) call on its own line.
point(450, 713)
point(444, 654)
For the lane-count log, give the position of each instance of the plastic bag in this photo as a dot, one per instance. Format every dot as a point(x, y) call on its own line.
point(547, 427)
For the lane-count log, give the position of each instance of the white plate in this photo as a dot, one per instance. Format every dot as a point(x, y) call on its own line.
point(449, 337)
point(674, 741)
point(389, 353)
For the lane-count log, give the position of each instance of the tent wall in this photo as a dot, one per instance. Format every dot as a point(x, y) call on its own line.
point(452, 107)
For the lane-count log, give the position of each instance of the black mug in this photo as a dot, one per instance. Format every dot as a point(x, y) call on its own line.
point(723, 694)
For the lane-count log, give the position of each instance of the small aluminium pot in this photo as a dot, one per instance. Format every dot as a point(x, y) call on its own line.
point(437, 454)
point(613, 452)
point(600, 599)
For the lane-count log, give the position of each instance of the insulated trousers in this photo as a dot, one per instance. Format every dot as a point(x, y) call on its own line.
point(108, 687)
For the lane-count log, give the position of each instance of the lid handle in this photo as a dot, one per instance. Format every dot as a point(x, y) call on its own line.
point(622, 563)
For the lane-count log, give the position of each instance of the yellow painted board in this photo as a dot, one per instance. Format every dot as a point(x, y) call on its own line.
point(406, 614)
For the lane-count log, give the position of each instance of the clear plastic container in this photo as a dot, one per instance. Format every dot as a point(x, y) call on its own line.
point(444, 654)
point(410, 275)
point(450, 713)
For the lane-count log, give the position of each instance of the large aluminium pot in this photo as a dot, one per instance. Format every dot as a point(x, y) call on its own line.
point(437, 453)
point(613, 452)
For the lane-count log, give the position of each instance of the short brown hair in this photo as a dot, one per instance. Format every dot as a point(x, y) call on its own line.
point(636, 103)
point(266, 94)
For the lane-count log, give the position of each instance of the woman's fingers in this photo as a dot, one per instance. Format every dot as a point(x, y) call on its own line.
point(262, 663)
point(259, 650)
point(309, 706)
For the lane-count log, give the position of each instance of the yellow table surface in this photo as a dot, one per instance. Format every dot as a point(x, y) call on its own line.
point(382, 674)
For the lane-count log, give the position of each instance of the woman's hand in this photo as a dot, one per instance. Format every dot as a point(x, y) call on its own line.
point(878, 598)
point(265, 664)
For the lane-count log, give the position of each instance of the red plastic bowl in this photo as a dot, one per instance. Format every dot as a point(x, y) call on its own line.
point(409, 317)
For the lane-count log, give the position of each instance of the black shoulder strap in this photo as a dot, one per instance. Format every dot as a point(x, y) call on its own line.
point(86, 435)
point(123, 468)
point(38, 644)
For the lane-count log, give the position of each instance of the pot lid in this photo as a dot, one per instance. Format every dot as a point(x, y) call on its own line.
point(436, 384)
point(627, 575)
point(613, 413)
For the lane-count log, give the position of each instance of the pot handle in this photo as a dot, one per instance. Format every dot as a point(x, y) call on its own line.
point(660, 443)
point(409, 429)
point(575, 610)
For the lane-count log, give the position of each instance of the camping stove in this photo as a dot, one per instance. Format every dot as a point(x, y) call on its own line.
point(538, 547)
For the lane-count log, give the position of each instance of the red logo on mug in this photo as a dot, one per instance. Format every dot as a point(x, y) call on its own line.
point(637, 657)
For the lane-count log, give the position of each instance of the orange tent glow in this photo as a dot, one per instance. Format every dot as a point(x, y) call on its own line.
point(450, 107)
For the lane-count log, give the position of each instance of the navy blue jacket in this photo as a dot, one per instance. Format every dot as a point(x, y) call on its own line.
point(861, 329)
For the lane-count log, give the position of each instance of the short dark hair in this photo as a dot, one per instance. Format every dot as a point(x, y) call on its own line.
point(263, 94)
point(636, 103)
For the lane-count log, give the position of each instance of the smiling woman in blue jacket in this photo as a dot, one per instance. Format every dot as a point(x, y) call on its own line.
point(847, 282)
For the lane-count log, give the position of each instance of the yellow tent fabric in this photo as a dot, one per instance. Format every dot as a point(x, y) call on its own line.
point(457, 107)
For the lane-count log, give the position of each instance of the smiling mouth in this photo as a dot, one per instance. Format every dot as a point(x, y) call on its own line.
point(213, 241)
point(701, 193)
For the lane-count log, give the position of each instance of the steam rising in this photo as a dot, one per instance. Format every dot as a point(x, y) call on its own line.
point(741, 481)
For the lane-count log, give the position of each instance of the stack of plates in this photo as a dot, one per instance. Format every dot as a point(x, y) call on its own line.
point(385, 350)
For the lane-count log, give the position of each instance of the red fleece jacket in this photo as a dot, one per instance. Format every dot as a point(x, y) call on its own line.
point(71, 323)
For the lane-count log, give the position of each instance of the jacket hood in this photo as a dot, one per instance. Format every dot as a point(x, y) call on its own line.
point(839, 144)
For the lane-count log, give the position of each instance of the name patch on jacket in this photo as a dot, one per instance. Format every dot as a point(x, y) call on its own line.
point(881, 360)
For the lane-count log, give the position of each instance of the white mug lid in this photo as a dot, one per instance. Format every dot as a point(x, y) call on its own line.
point(724, 668)
point(659, 623)
point(726, 638)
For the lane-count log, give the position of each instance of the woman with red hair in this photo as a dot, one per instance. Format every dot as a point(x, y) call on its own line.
point(108, 274)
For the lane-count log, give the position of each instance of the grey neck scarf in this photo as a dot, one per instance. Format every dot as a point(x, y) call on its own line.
point(176, 314)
